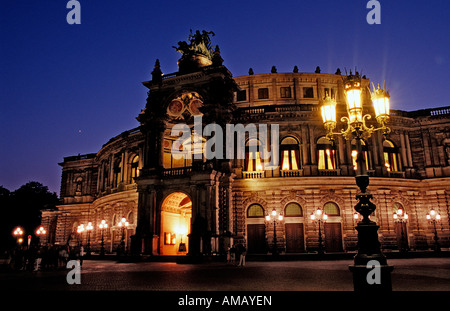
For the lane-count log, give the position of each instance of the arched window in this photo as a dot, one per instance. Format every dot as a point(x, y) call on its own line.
point(189, 150)
point(293, 210)
point(355, 154)
point(391, 157)
point(331, 209)
point(327, 154)
point(135, 167)
point(253, 160)
point(290, 154)
point(255, 211)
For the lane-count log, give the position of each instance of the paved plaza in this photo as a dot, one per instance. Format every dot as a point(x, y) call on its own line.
point(415, 274)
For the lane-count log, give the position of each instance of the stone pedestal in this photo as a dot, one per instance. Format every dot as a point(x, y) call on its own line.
point(370, 271)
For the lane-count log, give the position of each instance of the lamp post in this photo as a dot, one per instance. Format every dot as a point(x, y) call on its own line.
point(89, 228)
point(401, 217)
point(434, 217)
point(368, 243)
point(123, 223)
point(18, 233)
point(319, 217)
point(40, 231)
point(275, 216)
point(103, 225)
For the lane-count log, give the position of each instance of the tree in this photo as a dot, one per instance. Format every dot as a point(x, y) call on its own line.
point(22, 207)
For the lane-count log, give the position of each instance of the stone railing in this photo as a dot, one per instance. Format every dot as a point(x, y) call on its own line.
point(291, 173)
point(335, 172)
point(253, 174)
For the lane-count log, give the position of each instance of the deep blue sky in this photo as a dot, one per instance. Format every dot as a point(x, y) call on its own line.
point(67, 89)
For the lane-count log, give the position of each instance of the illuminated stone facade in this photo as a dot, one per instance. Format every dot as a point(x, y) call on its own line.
point(199, 206)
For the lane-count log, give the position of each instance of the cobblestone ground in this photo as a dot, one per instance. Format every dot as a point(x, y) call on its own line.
point(419, 274)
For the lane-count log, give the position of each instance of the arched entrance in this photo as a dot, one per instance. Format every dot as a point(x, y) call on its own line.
point(332, 228)
point(176, 214)
point(256, 230)
point(293, 217)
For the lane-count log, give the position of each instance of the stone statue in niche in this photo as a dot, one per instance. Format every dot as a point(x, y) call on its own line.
point(78, 186)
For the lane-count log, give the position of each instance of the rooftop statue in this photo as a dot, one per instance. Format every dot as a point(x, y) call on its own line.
point(199, 44)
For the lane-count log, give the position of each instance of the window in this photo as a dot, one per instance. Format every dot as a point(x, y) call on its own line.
point(285, 92)
point(308, 92)
point(194, 144)
point(391, 157)
point(253, 161)
point(331, 209)
point(263, 93)
point(355, 154)
point(255, 211)
point(293, 210)
point(135, 167)
point(241, 95)
point(327, 154)
point(290, 154)
point(169, 238)
point(329, 91)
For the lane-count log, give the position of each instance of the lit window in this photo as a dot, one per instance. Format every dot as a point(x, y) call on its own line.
point(289, 154)
point(355, 154)
point(194, 144)
point(135, 167)
point(255, 211)
point(331, 209)
point(253, 161)
point(327, 154)
point(293, 210)
point(391, 157)
point(169, 238)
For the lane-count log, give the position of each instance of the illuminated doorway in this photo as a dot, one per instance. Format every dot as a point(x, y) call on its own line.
point(176, 214)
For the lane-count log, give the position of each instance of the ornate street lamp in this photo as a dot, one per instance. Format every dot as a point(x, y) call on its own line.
point(434, 217)
point(319, 217)
point(368, 244)
point(89, 228)
point(18, 233)
point(123, 223)
point(274, 216)
point(40, 231)
point(401, 217)
point(103, 226)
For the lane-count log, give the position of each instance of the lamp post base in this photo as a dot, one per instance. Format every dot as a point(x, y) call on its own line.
point(371, 278)
point(370, 271)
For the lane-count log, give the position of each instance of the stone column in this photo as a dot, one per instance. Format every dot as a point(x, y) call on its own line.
point(305, 155)
point(409, 153)
point(403, 150)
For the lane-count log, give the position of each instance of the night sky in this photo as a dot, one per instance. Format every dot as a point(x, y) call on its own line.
point(67, 89)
